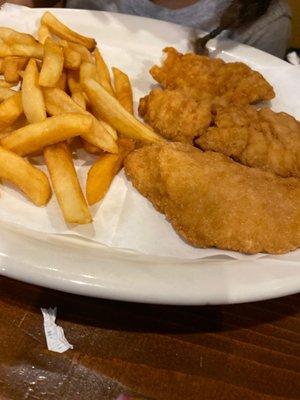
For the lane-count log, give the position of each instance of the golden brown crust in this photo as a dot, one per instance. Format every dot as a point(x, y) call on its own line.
point(262, 139)
point(227, 82)
point(213, 201)
point(176, 116)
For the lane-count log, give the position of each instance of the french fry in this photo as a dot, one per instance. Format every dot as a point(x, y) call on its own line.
point(103, 72)
point(103, 171)
point(79, 98)
point(34, 137)
point(91, 149)
point(109, 109)
point(110, 130)
point(62, 31)
point(43, 33)
point(6, 85)
point(11, 36)
point(72, 59)
point(87, 71)
point(53, 64)
point(65, 184)
point(123, 89)
point(10, 110)
point(26, 50)
point(75, 88)
point(86, 55)
point(1, 65)
point(19, 123)
point(12, 66)
point(5, 50)
point(32, 95)
point(5, 93)
point(58, 102)
point(62, 82)
point(33, 182)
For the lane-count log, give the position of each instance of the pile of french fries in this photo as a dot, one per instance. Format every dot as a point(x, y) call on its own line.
point(64, 92)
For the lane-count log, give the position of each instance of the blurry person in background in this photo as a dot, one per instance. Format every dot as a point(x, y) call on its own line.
point(271, 32)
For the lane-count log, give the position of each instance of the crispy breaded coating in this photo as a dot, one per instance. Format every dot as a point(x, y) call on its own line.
point(176, 116)
point(227, 82)
point(212, 201)
point(262, 139)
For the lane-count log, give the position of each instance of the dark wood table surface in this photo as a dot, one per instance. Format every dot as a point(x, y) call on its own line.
point(249, 351)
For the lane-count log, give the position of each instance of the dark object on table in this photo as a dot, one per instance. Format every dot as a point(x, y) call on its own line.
point(239, 13)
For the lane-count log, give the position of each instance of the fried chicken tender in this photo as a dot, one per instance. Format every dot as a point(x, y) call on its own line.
point(176, 116)
point(212, 201)
point(227, 82)
point(262, 139)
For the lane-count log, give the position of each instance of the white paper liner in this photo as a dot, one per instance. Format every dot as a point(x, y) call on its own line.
point(125, 220)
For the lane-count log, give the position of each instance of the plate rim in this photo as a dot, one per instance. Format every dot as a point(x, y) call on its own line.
point(58, 282)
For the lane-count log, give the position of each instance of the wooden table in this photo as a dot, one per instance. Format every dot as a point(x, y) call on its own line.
point(240, 352)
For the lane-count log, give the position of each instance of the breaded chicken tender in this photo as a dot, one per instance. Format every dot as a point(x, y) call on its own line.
point(176, 116)
point(227, 82)
point(262, 139)
point(212, 201)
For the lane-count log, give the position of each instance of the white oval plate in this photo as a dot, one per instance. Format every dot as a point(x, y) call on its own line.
point(76, 266)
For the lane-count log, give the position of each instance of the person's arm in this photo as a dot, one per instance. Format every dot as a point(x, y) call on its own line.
point(275, 38)
point(37, 3)
point(271, 36)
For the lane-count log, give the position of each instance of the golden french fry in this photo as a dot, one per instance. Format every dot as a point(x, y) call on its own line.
point(103, 72)
point(35, 137)
point(108, 108)
point(6, 85)
point(89, 148)
point(103, 171)
point(87, 71)
point(110, 130)
point(79, 98)
point(32, 95)
point(72, 58)
point(19, 123)
point(62, 82)
point(43, 33)
point(10, 110)
point(33, 182)
point(26, 50)
point(5, 93)
point(66, 185)
point(62, 31)
point(12, 66)
point(123, 89)
point(86, 55)
point(58, 102)
point(11, 36)
point(75, 89)
point(5, 50)
point(53, 64)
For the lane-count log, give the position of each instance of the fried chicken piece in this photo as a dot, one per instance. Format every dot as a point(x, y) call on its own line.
point(262, 139)
point(176, 116)
point(227, 82)
point(212, 201)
